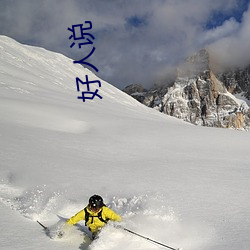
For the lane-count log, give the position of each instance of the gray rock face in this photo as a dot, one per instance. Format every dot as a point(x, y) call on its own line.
point(137, 91)
point(237, 81)
point(201, 97)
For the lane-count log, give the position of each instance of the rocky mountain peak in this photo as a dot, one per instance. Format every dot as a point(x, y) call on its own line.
point(196, 64)
point(202, 97)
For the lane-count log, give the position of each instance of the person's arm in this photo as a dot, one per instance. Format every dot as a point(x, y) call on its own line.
point(111, 215)
point(77, 217)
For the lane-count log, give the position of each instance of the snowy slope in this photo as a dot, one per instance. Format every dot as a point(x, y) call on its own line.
point(179, 184)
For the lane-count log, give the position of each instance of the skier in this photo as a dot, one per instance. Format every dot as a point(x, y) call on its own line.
point(95, 214)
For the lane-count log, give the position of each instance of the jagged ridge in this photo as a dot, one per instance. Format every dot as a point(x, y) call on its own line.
point(200, 96)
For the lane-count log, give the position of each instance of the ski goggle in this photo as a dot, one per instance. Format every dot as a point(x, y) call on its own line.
point(94, 208)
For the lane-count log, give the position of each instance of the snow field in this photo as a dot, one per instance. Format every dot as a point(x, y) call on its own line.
point(181, 185)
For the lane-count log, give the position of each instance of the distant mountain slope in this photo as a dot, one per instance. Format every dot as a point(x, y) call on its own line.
point(37, 69)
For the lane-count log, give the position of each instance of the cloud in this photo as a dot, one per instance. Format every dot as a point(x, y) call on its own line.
point(136, 41)
point(233, 49)
point(228, 28)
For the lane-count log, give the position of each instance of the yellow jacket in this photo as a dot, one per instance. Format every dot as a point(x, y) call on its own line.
point(94, 223)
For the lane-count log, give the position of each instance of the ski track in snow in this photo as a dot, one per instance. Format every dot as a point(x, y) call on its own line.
point(43, 116)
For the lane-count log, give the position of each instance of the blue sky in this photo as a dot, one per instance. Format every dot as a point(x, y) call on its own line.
point(136, 41)
point(218, 17)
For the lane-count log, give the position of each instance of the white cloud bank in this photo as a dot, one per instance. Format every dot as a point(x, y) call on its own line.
point(136, 41)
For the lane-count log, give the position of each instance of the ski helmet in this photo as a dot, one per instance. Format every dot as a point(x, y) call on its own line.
point(95, 202)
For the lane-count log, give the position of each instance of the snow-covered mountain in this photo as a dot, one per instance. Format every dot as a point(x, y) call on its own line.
point(201, 96)
point(182, 185)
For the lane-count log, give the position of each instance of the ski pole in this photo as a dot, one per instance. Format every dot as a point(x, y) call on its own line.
point(45, 228)
point(146, 238)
